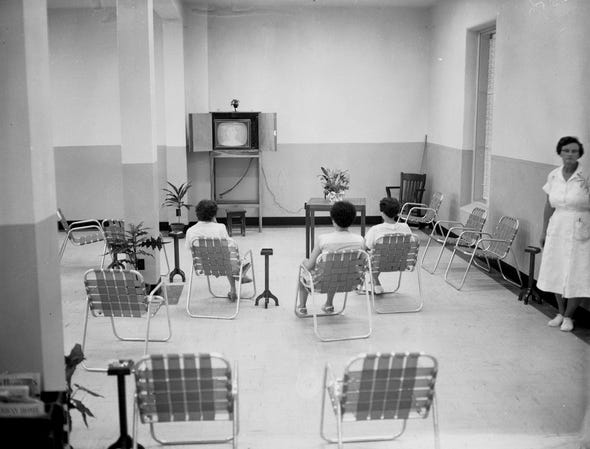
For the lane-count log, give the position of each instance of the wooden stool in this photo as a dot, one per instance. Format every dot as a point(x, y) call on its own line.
point(239, 214)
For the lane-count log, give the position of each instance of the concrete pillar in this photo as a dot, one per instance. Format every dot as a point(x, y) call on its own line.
point(135, 36)
point(31, 335)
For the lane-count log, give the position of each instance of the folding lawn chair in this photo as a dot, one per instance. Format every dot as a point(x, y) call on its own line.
point(379, 387)
point(185, 388)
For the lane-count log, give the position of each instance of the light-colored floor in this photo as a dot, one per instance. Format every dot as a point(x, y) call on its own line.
point(505, 380)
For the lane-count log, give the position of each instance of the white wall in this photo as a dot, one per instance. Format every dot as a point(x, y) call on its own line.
point(332, 74)
point(84, 77)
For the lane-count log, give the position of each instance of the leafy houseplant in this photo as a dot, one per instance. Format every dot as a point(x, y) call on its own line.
point(133, 246)
point(72, 361)
point(175, 198)
point(334, 182)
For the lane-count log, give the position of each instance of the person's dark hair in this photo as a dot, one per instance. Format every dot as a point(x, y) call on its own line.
point(342, 213)
point(206, 210)
point(389, 206)
point(566, 140)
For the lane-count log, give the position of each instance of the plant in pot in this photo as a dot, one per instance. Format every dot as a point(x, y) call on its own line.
point(175, 197)
point(334, 182)
point(133, 247)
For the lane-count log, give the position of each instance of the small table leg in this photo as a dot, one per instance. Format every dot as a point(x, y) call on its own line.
point(530, 291)
point(176, 235)
point(121, 369)
point(266, 294)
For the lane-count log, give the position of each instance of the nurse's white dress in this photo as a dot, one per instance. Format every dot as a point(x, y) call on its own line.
point(565, 266)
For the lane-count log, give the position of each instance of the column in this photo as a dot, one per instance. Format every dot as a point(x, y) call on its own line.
point(31, 335)
point(135, 35)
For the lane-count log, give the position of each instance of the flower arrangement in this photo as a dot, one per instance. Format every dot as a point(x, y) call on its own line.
point(334, 182)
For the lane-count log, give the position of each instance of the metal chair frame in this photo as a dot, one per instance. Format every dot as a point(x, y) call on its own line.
point(83, 228)
point(185, 388)
point(336, 272)
point(381, 386)
point(122, 294)
point(421, 213)
point(489, 246)
point(465, 234)
point(213, 257)
point(397, 253)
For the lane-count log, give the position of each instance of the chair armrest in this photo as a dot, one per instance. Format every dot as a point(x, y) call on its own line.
point(439, 224)
point(86, 227)
point(423, 208)
point(89, 222)
point(388, 190)
point(490, 240)
point(411, 206)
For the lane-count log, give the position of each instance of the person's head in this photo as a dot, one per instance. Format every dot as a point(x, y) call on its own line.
point(206, 210)
point(389, 207)
point(570, 144)
point(342, 213)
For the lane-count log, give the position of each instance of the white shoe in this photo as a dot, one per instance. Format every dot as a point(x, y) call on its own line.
point(556, 322)
point(567, 325)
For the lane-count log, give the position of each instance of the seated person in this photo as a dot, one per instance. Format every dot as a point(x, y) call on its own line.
point(342, 214)
point(389, 208)
point(207, 227)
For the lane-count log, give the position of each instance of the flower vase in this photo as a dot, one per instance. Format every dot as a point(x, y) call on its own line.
point(335, 196)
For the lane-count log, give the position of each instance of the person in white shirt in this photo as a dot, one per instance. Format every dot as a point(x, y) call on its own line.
point(207, 227)
point(342, 214)
point(389, 208)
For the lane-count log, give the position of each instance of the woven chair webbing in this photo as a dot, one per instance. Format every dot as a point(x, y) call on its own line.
point(506, 230)
point(475, 221)
point(183, 387)
point(213, 257)
point(114, 232)
point(389, 386)
point(116, 293)
point(340, 271)
point(395, 252)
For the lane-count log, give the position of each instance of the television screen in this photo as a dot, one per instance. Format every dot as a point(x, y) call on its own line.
point(232, 133)
point(235, 130)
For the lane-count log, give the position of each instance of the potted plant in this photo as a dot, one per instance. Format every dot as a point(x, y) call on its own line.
point(334, 182)
point(72, 360)
point(175, 198)
point(133, 247)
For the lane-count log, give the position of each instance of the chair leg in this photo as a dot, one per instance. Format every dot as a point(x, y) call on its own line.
point(519, 284)
point(434, 413)
point(460, 285)
point(216, 317)
point(62, 249)
point(83, 363)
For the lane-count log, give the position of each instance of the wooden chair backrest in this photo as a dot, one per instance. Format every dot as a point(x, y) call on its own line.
point(395, 252)
point(412, 187)
point(116, 293)
point(184, 387)
point(388, 386)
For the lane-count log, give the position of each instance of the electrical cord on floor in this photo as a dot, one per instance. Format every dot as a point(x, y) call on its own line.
point(274, 198)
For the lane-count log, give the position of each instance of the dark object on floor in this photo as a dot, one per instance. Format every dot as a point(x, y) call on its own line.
point(531, 291)
point(236, 214)
point(266, 294)
point(121, 369)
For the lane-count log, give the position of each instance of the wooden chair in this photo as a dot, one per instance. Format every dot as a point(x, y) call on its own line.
point(419, 213)
point(80, 233)
point(336, 272)
point(185, 388)
point(447, 233)
point(411, 187)
point(122, 295)
point(379, 387)
point(397, 253)
point(214, 257)
point(489, 246)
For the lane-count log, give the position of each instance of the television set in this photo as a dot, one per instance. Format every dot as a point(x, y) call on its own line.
point(235, 130)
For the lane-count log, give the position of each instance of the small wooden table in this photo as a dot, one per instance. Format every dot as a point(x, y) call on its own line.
point(320, 204)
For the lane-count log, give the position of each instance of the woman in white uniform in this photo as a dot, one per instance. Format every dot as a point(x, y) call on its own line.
point(565, 267)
